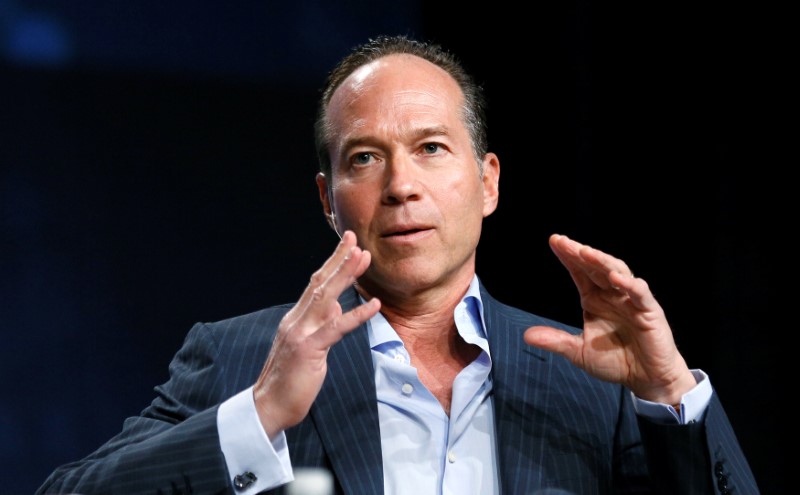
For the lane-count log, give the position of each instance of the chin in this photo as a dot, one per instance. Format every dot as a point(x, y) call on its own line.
point(400, 277)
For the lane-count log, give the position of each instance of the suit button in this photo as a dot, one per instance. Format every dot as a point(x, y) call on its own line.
point(242, 481)
point(722, 483)
point(718, 469)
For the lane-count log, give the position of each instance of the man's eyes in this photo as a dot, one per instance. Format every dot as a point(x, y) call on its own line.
point(368, 157)
point(431, 148)
point(362, 158)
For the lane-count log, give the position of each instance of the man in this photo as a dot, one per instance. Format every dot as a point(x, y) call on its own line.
point(396, 370)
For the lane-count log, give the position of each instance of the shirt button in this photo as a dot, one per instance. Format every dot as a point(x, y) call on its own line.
point(451, 456)
point(400, 359)
point(407, 388)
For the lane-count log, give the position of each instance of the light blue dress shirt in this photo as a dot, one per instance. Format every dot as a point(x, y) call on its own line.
point(424, 450)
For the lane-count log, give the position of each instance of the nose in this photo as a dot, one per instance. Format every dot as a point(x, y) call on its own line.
point(402, 180)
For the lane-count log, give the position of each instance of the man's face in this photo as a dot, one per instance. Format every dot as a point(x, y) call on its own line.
point(404, 175)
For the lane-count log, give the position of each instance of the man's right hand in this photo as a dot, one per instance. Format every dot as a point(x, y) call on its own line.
point(297, 363)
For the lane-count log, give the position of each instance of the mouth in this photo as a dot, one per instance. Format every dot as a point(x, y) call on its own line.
point(403, 232)
point(406, 232)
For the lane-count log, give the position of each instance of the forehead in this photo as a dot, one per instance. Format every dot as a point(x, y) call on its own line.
point(394, 83)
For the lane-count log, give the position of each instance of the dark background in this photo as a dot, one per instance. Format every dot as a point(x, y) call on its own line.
point(157, 169)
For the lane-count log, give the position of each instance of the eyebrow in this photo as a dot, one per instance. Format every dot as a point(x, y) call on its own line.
point(437, 130)
point(415, 135)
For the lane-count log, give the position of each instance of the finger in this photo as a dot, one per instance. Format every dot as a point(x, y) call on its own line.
point(588, 266)
point(341, 253)
point(554, 340)
point(335, 329)
point(345, 274)
point(571, 254)
point(323, 304)
point(604, 261)
point(637, 290)
point(568, 253)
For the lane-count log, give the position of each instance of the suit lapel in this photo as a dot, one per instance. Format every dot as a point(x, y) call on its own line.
point(521, 391)
point(346, 412)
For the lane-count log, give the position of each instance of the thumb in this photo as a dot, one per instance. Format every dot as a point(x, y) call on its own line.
point(553, 340)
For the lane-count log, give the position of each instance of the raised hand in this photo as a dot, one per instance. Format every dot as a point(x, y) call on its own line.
point(297, 363)
point(626, 338)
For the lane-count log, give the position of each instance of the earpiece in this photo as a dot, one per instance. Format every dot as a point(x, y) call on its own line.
point(332, 216)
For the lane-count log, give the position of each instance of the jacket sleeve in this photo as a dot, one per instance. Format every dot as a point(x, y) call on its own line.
point(701, 457)
point(172, 446)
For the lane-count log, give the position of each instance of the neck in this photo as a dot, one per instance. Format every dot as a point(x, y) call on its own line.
point(436, 349)
point(424, 320)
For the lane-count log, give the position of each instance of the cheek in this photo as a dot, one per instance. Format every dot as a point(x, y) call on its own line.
point(354, 205)
point(461, 211)
point(463, 193)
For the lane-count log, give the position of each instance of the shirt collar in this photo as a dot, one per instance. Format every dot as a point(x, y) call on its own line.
point(468, 315)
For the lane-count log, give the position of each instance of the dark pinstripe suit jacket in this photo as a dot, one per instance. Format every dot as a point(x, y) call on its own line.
point(559, 431)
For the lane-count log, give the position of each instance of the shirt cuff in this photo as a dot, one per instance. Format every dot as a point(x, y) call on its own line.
point(249, 454)
point(693, 404)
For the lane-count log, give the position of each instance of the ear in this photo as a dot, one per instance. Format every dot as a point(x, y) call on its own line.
point(325, 199)
point(491, 183)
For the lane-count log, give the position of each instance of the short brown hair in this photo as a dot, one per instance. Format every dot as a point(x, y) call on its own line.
point(474, 111)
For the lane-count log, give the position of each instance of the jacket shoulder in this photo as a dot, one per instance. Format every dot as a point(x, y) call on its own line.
point(494, 309)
